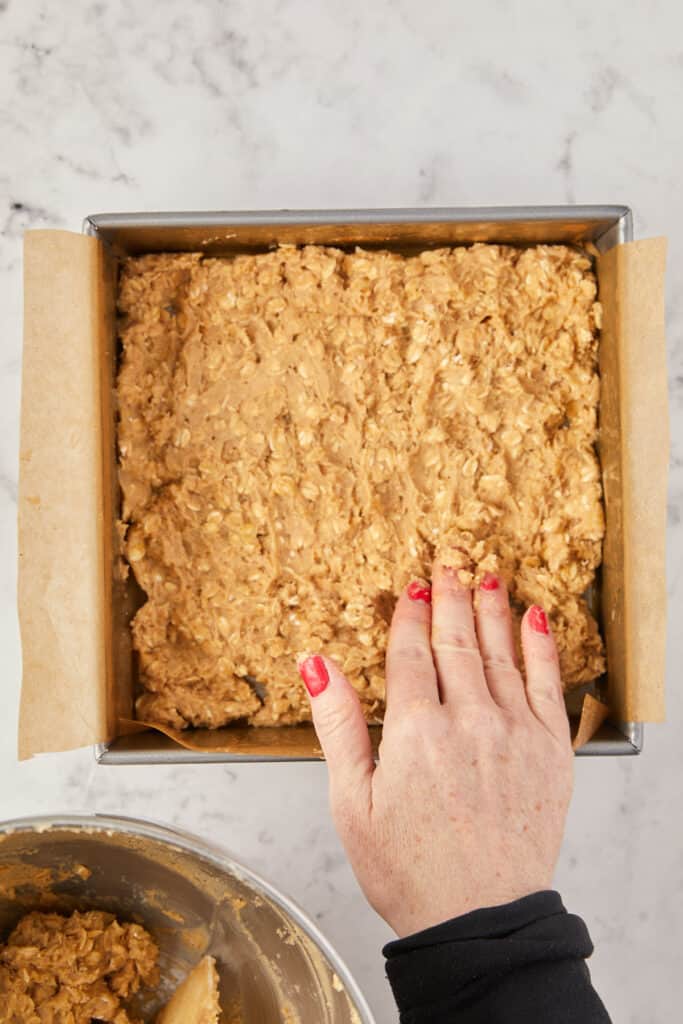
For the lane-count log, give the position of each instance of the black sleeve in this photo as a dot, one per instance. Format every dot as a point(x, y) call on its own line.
point(522, 962)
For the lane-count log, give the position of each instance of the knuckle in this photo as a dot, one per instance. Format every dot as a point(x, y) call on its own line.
point(502, 665)
point(550, 709)
point(480, 720)
point(496, 606)
point(518, 731)
point(335, 718)
point(451, 592)
point(455, 638)
point(412, 654)
point(413, 716)
point(408, 727)
point(544, 653)
point(545, 691)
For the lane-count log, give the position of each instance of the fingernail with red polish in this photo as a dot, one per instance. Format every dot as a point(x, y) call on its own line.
point(489, 581)
point(418, 591)
point(314, 674)
point(538, 620)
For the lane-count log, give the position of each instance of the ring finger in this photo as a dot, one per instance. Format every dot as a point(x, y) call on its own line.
point(496, 643)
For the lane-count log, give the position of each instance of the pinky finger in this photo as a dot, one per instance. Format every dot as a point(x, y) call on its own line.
point(543, 681)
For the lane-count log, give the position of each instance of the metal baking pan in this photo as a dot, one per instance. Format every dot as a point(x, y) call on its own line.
point(405, 230)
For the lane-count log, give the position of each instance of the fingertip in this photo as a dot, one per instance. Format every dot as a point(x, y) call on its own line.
point(538, 641)
point(491, 595)
point(537, 620)
point(419, 592)
point(414, 603)
point(452, 579)
point(490, 582)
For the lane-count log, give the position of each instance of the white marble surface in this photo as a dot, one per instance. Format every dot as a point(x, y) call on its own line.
point(167, 105)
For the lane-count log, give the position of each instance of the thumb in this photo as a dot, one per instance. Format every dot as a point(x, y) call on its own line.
point(341, 729)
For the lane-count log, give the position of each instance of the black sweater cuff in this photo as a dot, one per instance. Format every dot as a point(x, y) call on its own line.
point(497, 964)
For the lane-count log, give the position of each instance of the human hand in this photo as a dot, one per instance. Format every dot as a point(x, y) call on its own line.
point(467, 805)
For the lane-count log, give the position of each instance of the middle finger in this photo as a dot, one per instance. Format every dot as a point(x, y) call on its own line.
point(454, 641)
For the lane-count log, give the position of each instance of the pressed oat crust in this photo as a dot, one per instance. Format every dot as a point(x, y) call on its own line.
point(301, 430)
point(72, 970)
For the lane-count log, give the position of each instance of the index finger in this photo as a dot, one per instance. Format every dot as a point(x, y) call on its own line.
point(410, 672)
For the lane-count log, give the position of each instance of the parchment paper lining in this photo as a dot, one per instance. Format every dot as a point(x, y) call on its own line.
point(73, 692)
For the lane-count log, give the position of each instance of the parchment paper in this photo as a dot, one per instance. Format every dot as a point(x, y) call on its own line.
point(634, 453)
point(73, 694)
point(62, 607)
point(593, 714)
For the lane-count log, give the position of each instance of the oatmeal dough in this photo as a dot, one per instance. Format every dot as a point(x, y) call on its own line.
point(301, 430)
point(72, 970)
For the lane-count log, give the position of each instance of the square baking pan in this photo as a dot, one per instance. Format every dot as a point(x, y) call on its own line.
point(600, 230)
point(405, 230)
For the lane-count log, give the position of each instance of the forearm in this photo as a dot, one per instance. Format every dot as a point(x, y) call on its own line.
point(524, 961)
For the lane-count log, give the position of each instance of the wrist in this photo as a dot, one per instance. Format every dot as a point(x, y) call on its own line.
point(406, 921)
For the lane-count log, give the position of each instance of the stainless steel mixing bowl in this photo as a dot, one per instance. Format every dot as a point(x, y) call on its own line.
point(274, 964)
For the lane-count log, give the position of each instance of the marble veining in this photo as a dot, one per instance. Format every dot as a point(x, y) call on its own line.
point(285, 103)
